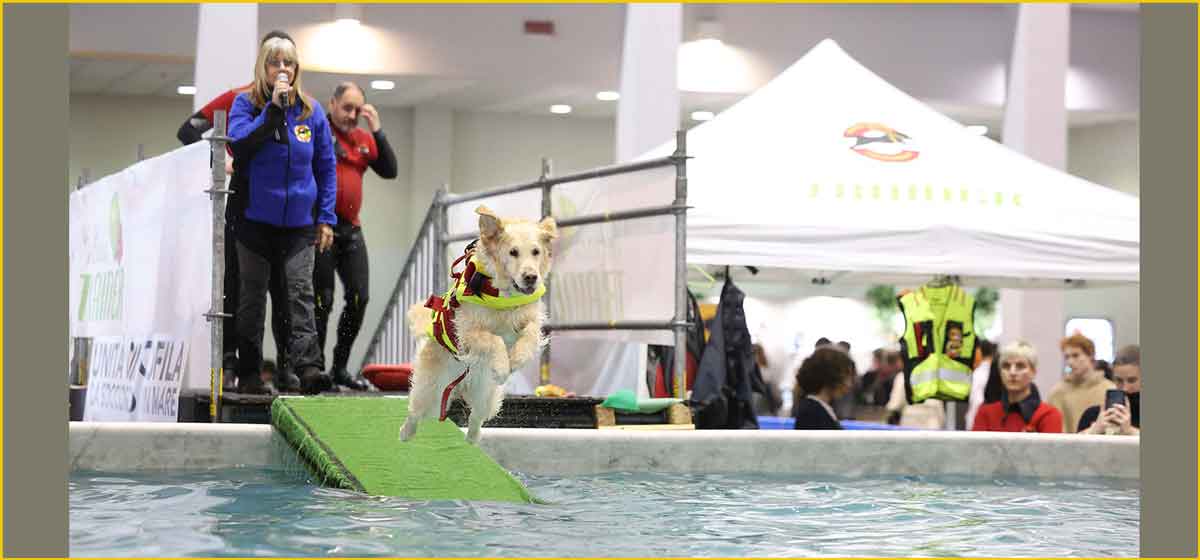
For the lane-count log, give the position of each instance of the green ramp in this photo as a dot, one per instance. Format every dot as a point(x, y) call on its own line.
point(352, 443)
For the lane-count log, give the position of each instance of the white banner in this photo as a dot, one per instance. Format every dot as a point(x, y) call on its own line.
point(140, 246)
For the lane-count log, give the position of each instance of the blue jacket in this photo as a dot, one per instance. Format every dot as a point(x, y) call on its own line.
point(287, 164)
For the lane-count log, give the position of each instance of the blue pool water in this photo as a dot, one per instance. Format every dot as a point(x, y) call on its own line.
point(276, 512)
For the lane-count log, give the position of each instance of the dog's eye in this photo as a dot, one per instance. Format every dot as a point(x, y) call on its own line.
point(536, 252)
point(514, 253)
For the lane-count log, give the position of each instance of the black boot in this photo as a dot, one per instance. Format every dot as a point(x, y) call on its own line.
point(286, 381)
point(351, 382)
point(229, 373)
point(314, 381)
point(254, 385)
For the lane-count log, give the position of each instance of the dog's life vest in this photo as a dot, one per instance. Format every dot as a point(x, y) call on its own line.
point(472, 285)
point(939, 342)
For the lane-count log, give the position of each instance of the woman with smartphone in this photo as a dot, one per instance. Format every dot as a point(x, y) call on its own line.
point(1121, 414)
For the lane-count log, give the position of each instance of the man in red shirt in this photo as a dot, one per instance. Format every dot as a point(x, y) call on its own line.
point(192, 130)
point(1020, 408)
point(356, 150)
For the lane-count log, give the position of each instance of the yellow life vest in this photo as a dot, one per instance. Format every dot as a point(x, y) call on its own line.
point(939, 342)
point(473, 285)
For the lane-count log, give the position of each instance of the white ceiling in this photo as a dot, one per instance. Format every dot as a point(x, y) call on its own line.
point(477, 57)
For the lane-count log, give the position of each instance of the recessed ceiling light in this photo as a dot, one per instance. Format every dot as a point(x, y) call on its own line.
point(186, 90)
point(560, 109)
point(702, 115)
point(347, 14)
point(977, 129)
point(608, 96)
point(383, 84)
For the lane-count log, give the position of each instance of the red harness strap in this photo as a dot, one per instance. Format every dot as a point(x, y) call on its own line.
point(446, 393)
point(474, 283)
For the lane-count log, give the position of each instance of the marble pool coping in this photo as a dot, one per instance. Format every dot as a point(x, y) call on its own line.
point(116, 446)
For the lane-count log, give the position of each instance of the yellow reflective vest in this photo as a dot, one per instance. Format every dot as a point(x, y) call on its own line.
point(939, 342)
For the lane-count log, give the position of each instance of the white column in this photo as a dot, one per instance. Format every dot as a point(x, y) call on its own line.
point(1035, 123)
point(226, 49)
point(432, 161)
point(648, 112)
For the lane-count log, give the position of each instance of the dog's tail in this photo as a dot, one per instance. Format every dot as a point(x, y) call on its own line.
point(419, 318)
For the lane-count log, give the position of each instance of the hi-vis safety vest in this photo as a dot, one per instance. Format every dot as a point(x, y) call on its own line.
point(473, 285)
point(939, 342)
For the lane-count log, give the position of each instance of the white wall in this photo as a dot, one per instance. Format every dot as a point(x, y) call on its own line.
point(1106, 154)
point(493, 149)
point(105, 131)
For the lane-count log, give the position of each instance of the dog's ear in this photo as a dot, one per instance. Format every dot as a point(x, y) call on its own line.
point(489, 223)
point(549, 229)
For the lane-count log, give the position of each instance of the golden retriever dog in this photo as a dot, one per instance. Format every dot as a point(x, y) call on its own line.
point(488, 324)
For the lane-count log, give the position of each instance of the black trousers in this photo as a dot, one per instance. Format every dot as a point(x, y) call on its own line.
point(291, 252)
point(347, 258)
point(277, 290)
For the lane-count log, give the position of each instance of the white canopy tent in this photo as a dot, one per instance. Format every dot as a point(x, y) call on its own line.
point(830, 170)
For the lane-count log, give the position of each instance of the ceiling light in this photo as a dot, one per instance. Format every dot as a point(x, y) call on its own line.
point(977, 129)
point(709, 30)
point(560, 109)
point(186, 90)
point(347, 14)
point(702, 115)
point(383, 85)
point(608, 96)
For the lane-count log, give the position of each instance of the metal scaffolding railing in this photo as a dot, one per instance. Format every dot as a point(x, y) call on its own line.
point(425, 269)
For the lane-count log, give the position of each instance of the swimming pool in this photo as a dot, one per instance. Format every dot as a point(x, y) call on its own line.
point(274, 511)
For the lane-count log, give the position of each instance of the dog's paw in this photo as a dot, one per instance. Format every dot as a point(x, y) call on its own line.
point(473, 435)
point(408, 430)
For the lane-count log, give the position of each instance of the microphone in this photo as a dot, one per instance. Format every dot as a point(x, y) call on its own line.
point(283, 78)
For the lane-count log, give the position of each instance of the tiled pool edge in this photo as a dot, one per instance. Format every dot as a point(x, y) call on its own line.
point(138, 446)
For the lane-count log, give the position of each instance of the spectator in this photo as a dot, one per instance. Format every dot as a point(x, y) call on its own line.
point(979, 379)
point(1019, 409)
point(356, 150)
point(284, 160)
point(1123, 419)
point(844, 405)
point(876, 386)
point(1083, 386)
point(823, 377)
point(192, 131)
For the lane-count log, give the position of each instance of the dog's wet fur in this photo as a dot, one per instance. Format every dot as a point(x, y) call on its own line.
point(491, 342)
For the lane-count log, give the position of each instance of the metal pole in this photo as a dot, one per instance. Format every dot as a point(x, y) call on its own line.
point(440, 233)
point(547, 210)
point(215, 316)
point(680, 368)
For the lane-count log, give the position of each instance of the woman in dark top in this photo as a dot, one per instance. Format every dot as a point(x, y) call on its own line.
point(825, 376)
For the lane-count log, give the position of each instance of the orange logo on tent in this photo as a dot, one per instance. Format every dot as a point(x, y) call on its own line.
point(881, 142)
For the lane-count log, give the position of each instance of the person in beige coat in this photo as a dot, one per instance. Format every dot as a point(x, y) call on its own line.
point(1083, 387)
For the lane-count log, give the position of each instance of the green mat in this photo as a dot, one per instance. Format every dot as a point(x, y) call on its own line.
point(352, 443)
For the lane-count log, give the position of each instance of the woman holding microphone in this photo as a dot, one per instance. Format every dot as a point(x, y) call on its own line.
point(284, 162)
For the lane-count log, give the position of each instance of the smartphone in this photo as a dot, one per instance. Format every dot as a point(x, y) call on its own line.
point(1113, 396)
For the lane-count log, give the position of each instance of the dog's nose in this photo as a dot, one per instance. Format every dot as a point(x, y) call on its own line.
point(530, 279)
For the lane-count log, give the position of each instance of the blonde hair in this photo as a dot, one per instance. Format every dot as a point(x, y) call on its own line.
point(1019, 349)
point(260, 92)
